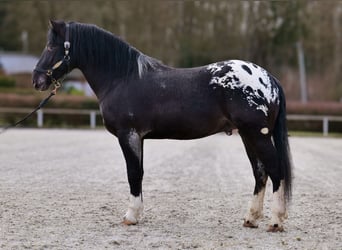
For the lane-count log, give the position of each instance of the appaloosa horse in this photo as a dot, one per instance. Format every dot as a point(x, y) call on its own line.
point(141, 98)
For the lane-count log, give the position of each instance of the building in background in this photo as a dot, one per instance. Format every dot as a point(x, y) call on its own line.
point(19, 67)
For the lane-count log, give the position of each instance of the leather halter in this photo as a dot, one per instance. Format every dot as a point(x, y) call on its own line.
point(66, 59)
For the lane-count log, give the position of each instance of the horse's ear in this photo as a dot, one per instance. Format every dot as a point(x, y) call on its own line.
point(57, 26)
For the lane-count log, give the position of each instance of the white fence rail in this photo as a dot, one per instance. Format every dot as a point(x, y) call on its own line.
point(324, 118)
point(93, 113)
point(40, 113)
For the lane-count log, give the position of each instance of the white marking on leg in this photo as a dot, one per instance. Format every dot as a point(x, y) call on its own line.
point(264, 131)
point(255, 210)
point(134, 211)
point(278, 206)
point(134, 142)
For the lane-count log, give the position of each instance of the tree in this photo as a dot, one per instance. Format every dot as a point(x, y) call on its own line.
point(192, 33)
point(10, 35)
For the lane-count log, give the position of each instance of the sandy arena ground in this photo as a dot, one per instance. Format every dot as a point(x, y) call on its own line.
point(67, 189)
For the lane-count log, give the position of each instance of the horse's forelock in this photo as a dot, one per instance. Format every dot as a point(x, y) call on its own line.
point(52, 36)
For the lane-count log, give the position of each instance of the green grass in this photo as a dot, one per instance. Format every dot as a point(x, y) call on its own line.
point(19, 91)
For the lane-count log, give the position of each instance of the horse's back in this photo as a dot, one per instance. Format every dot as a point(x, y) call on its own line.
point(183, 105)
point(196, 102)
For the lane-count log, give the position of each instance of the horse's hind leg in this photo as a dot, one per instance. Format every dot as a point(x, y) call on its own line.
point(255, 209)
point(132, 148)
point(267, 154)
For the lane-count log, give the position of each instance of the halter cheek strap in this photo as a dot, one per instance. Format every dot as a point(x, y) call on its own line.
point(66, 43)
point(65, 59)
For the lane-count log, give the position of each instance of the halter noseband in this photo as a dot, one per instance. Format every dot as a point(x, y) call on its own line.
point(65, 59)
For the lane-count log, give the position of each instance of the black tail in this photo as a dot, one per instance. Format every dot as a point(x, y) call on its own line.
point(281, 142)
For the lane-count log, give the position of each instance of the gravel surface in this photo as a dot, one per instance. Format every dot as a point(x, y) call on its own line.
point(67, 189)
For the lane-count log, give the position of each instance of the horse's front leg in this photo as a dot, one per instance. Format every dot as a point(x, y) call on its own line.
point(132, 147)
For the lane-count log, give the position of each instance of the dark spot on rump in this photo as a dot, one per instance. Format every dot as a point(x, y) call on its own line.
point(220, 74)
point(236, 80)
point(249, 89)
point(224, 71)
point(229, 68)
point(255, 66)
point(261, 81)
point(260, 93)
point(247, 69)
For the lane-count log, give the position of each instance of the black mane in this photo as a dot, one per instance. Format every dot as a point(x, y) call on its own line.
point(96, 46)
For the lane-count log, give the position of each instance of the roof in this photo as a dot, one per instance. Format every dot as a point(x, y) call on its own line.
point(16, 63)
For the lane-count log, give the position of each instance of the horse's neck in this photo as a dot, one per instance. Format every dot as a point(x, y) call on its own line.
point(103, 75)
point(106, 61)
point(98, 82)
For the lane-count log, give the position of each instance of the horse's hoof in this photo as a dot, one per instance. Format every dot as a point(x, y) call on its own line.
point(247, 223)
point(128, 222)
point(275, 228)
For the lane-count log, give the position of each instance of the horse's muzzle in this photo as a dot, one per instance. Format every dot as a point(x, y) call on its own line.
point(40, 81)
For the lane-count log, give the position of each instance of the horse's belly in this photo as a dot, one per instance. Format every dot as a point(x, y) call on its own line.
point(186, 129)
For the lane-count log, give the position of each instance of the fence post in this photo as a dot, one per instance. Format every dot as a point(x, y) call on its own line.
point(325, 126)
point(92, 119)
point(40, 118)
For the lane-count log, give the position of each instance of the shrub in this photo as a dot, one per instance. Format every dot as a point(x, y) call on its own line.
point(58, 101)
point(6, 82)
point(74, 91)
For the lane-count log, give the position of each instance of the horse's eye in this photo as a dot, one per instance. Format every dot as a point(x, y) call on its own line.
point(50, 47)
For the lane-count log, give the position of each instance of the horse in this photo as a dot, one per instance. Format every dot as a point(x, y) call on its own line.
point(141, 98)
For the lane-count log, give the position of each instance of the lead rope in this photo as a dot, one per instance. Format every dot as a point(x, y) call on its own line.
point(53, 92)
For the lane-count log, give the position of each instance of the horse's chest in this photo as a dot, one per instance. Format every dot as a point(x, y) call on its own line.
point(116, 117)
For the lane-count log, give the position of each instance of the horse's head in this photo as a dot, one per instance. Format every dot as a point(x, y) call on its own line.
point(54, 62)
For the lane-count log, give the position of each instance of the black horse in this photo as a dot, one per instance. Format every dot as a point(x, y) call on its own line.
point(141, 98)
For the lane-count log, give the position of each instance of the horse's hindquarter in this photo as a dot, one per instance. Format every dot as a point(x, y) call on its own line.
point(251, 93)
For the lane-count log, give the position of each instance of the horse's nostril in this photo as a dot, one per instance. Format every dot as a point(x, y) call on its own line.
point(41, 80)
point(34, 83)
point(38, 81)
